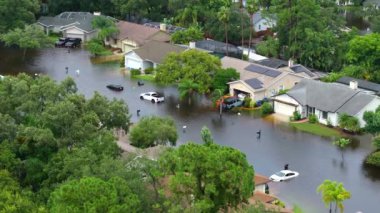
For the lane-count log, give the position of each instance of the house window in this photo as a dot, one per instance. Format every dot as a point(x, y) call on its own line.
point(259, 26)
point(324, 115)
point(281, 87)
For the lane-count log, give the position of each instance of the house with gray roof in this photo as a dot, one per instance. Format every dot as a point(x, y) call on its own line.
point(326, 100)
point(70, 24)
point(366, 86)
point(150, 55)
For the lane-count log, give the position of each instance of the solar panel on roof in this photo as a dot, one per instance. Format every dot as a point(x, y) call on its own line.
point(263, 70)
point(254, 83)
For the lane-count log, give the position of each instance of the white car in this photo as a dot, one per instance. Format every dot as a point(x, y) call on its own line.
point(283, 175)
point(154, 97)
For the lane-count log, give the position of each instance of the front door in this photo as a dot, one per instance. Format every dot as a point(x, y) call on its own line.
point(310, 111)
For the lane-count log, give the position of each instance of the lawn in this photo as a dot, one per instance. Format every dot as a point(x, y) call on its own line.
point(144, 77)
point(317, 129)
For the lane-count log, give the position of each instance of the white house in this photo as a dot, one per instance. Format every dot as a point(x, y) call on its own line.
point(70, 24)
point(326, 100)
point(262, 23)
point(150, 55)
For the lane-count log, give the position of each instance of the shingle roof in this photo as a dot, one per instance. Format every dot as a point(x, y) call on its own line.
point(261, 179)
point(362, 84)
point(82, 20)
point(156, 51)
point(298, 68)
point(329, 97)
point(136, 32)
point(273, 63)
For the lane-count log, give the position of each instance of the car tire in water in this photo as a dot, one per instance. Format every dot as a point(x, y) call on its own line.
point(153, 101)
point(141, 98)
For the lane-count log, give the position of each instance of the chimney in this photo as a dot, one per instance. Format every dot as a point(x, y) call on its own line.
point(354, 85)
point(163, 27)
point(192, 44)
point(97, 13)
point(290, 62)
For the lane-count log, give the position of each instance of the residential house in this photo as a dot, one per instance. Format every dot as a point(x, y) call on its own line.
point(261, 183)
point(258, 81)
point(169, 28)
point(262, 23)
point(70, 24)
point(132, 36)
point(150, 55)
point(326, 100)
point(366, 86)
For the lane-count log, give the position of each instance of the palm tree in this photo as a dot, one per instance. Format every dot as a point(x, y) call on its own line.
point(252, 8)
point(241, 6)
point(187, 88)
point(224, 16)
point(341, 144)
point(333, 192)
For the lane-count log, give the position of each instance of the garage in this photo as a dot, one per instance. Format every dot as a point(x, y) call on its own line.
point(284, 105)
point(133, 61)
point(74, 32)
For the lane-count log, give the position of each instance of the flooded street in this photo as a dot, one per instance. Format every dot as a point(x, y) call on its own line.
point(315, 158)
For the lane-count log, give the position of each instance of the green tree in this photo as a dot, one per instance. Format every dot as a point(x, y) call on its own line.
point(206, 136)
point(208, 177)
point(376, 142)
point(17, 14)
point(187, 88)
point(106, 26)
point(333, 192)
point(364, 51)
point(193, 33)
point(266, 109)
point(375, 24)
point(191, 65)
point(342, 143)
point(94, 195)
point(222, 77)
point(269, 47)
point(96, 47)
point(30, 37)
point(152, 131)
point(224, 17)
point(372, 120)
point(252, 8)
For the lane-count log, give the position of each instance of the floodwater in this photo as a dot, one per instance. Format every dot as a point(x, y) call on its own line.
point(314, 157)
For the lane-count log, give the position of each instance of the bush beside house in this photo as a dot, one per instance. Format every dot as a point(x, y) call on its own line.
point(349, 123)
point(374, 159)
point(313, 119)
point(266, 109)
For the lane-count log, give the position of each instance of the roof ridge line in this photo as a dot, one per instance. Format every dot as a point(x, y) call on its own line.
point(357, 92)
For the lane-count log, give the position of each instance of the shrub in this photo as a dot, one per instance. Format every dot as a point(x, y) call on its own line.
point(252, 104)
point(122, 62)
point(266, 108)
point(245, 57)
point(349, 123)
point(329, 124)
point(376, 142)
point(247, 102)
point(296, 116)
point(149, 70)
point(283, 91)
point(135, 72)
point(313, 119)
point(374, 159)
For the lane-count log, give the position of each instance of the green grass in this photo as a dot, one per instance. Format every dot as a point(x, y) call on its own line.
point(317, 129)
point(144, 77)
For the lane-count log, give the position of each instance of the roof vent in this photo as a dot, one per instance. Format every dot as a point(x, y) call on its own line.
point(354, 85)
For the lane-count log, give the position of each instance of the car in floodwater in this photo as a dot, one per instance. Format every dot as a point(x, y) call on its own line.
point(283, 175)
point(154, 97)
point(115, 87)
point(231, 102)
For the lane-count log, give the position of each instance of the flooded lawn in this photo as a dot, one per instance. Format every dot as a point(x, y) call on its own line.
point(314, 157)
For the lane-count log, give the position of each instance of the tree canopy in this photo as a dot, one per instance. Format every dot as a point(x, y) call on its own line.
point(193, 33)
point(16, 14)
point(333, 192)
point(216, 176)
point(191, 65)
point(152, 131)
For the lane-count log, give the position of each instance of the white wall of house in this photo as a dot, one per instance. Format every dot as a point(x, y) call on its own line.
point(260, 188)
point(263, 25)
point(330, 117)
point(133, 61)
point(372, 106)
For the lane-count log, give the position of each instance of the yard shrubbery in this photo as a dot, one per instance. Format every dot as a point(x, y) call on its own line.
point(266, 109)
point(149, 70)
point(296, 116)
point(349, 123)
point(135, 72)
point(374, 159)
point(313, 119)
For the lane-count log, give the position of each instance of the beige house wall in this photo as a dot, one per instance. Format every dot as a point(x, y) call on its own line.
point(287, 82)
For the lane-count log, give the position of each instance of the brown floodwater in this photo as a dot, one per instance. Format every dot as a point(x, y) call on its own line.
point(314, 157)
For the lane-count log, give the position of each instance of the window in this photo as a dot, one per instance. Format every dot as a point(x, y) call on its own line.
point(281, 87)
point(324, 115)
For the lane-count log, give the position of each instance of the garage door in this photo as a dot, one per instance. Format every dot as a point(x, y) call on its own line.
point(72, 35)
point(283, 109)
point(132, 64)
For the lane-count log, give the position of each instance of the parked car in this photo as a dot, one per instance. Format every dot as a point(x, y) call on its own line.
point(61, 42)
point(73, 42)
point(231, 102)
point(283, 175)
point(115, 87)
point(154, 97)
